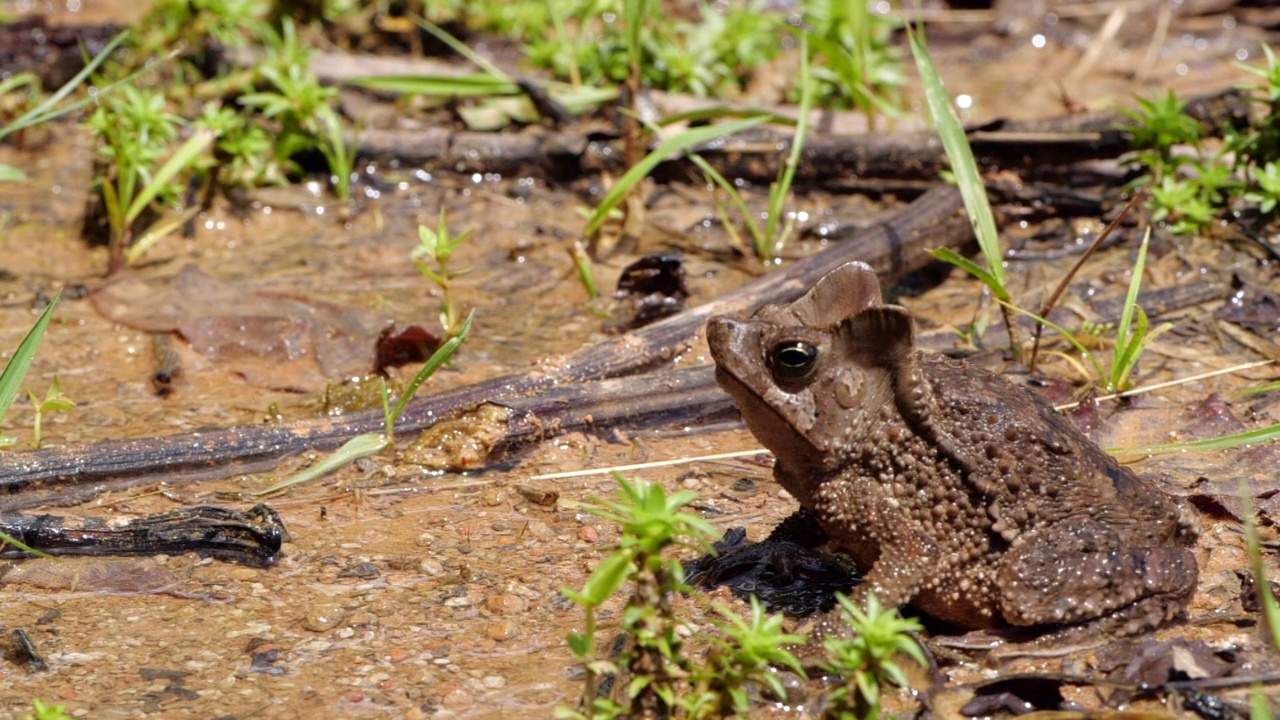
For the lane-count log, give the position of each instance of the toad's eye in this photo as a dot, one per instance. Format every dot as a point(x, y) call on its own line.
point(793, 360)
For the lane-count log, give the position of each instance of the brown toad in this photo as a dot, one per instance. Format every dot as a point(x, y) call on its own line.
point(952, 489)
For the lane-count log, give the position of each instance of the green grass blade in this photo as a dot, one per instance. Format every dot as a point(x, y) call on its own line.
point(1131, 298)
point(16, 369)
point(476, 58)
point(44, 111)
point(434, 363)
point(778, 191)
point(757, 235)
point(360, 446)
point(684, 141)
point(1224, 442)
point(473, 85)
point(7, 539)
point(9, 173)
point(1265, 388)
point(960, 154)
point(969, 266)
point(724, 112)
point(179, 161)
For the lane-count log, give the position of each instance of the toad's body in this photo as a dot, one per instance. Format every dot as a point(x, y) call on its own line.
point(954, 490)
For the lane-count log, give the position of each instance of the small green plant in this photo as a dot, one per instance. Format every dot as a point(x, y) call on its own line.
point(638, 172)
point(769, 239)
point(300, 105)
point(1266, 192)
point(745, 654)
point(15, 371)
point(1192, 188)
point(855, 64)
point(1133, 332)
point(439, 246)
point(54, 400)
point(866, 660)
point(137, 133)
point(651, 520)
point(40, 710)
point(663, 680)
point(368, 444)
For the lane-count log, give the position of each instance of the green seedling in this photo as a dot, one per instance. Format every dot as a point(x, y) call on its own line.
point(15, 371)
point(773, 239)
point(40, 710)
point(746, 655)
point(54, 400)
point(867, 659)
point(367, 444)
point(439, 246)
point(1266, 192)
point(1133, 333)
point(767, 241)
point(1159, 125)
point(856, 65)
point(651, 521)
point(1189, 191)
point(136, 133)
point(302, 108)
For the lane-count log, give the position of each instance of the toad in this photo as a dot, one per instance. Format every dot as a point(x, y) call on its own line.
point(952, 489)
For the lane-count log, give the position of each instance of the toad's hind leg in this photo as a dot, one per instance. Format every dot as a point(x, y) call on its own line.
point(1079, 573)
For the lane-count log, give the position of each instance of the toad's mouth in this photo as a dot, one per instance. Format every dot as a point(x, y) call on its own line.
point(766, 423)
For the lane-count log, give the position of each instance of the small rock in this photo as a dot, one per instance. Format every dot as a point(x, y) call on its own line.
point(493, 682)
point(324, 616)
point(456, 697)
point(501, 631)
point(244, 574)
point(505, 604)
point(588, 534)
point(363, 570)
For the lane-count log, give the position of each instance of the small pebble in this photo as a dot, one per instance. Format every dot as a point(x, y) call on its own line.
point(588, 534)
point(494, 682)
point(505, 604)
point(501, 631)
point(323, 617)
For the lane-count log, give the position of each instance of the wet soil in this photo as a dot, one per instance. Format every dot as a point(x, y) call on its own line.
point(407, 593)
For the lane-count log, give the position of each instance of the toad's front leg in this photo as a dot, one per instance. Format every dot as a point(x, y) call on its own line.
point(885, 542)
point(1078, 573)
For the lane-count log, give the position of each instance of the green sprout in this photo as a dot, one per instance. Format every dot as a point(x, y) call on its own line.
point(40, 710)
point(54, 399)
point(866, 660)
point(15, 371)
point(651, 521)
point(367, 444)
point(439, 246)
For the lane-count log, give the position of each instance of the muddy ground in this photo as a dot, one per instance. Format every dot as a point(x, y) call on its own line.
point(407, 593)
